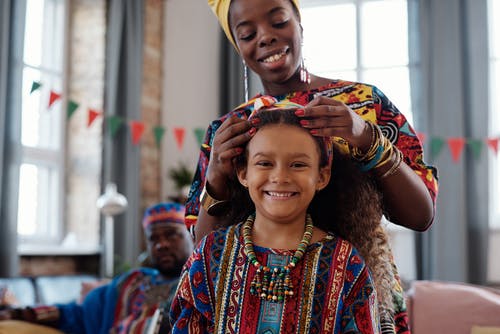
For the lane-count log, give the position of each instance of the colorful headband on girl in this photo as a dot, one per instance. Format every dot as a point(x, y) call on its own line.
point(267, 103)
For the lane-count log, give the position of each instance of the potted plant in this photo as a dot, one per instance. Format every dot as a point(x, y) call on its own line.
point(182, 178)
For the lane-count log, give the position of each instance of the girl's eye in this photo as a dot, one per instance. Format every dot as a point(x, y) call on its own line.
point(299, 165)
point(263, 163)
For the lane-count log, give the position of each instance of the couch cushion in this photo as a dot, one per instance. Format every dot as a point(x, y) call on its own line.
point(447, 307)
point(22, 288)
point(60, 289)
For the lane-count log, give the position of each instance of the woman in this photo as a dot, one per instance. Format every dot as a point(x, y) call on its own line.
point(279, 263)
point(268, 36)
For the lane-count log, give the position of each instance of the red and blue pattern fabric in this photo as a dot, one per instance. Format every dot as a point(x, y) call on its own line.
point(334, 292)
point(371, 104)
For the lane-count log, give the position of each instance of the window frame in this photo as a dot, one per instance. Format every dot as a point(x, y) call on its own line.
point(52, 159)
point(494, 128)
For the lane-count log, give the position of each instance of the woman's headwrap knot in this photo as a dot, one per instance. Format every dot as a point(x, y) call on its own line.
point(221, 10)
point(266, 103)
point(163, 213)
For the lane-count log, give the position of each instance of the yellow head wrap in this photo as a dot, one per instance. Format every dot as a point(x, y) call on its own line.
point(221, 10)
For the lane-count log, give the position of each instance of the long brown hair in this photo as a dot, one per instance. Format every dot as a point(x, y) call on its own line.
point(350, 206)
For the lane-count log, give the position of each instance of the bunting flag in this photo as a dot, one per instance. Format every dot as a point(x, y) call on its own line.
point(422, 137)
point(199, 134)
point(35, 86)
point(435, 144)
point(158, 132)
point(476, 146)
point(456, 147)
point(53, 98)
point(92, 115)
point(114, 124)
point(137, 129)
point(72, 106)
point(179, 137)
point(493, 144)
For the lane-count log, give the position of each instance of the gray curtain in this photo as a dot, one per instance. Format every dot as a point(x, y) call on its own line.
point(449, 53)
point(11, 32)
point(121, 159)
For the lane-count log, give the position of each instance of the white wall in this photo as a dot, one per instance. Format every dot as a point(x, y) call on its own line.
point(191, 86)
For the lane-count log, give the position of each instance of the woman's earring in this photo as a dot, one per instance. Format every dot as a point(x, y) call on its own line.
point(245, 80)
point(304, 73)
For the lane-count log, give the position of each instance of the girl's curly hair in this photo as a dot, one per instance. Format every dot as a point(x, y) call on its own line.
point(350, 206)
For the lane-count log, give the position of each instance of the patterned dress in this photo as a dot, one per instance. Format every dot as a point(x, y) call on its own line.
point(333, 291)
point(372, 105)
point(125, 305)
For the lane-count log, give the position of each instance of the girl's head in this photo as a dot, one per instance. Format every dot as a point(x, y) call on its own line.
point(283, 166)
point(266, 33)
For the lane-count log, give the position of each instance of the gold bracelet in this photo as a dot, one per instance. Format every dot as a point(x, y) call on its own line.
point(212, 206)
point(395, 166)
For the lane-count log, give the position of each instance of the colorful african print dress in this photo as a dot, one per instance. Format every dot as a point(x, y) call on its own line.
point(125, 305)
point(333, 291)
point(372, 105)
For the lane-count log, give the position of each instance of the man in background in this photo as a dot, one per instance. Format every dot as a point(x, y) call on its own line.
point(129, 302)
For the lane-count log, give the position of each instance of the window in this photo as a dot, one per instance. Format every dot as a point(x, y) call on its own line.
point(41, 182)
point(494, 131)
point(353, 52)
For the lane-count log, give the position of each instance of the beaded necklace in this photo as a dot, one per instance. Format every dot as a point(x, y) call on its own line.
point(274, 284)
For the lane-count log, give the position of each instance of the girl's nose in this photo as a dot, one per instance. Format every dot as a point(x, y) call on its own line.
point(280, 175)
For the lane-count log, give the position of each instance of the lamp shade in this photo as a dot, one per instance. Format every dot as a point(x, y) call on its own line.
point(111, 202)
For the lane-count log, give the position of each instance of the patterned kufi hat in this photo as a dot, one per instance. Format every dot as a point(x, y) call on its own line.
point(163, 213)
point(221, 10)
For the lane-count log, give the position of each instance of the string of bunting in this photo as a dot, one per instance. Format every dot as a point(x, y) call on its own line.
point(115, 123)
point(456, 145)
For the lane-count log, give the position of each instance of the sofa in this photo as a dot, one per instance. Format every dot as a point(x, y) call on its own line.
point(46, 290)
point(437, 307)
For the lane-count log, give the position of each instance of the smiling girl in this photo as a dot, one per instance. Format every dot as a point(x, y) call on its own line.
point(283, 267)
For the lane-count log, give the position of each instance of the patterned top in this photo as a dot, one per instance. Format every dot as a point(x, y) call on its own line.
point(333, 291)
point(125, 305)
point(366, 100)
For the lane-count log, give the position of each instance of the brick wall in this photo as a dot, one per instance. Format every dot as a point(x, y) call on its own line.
point(151, 172)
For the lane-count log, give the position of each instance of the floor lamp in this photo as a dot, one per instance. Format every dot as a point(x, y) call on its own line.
point(111, 203)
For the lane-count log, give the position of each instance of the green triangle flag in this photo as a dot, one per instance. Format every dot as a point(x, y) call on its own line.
point(114, 124)
point(72, 106)
point(475, 145)
point(158, 131)
point(436, 146)
point(200, 134)
point(35, 86)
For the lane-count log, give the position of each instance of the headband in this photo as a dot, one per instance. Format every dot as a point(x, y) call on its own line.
point(269, 103)
point(163, 213)
point(221, 10)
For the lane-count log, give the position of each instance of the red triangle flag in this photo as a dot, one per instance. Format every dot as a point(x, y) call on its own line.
point(456, 145)
point(137, 129)
point(53, 97)
point(421, 136)
point(179, 136)
point(92, 115)
point(493, 144)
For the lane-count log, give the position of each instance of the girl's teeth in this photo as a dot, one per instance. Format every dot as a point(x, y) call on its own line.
point(280, 194)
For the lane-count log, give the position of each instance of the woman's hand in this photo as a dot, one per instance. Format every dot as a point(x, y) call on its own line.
point(327, 117)
point(228, 139)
